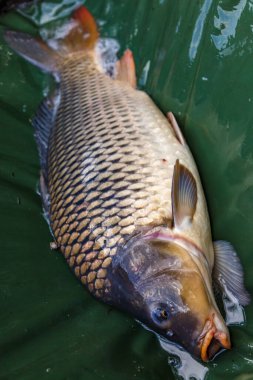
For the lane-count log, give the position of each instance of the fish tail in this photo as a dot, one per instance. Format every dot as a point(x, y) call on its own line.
point(80, 36)
point(85, 35)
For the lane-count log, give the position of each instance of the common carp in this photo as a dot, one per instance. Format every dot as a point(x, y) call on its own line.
point(123, 195)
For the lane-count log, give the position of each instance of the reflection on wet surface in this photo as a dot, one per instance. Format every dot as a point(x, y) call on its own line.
point(226, 23)
point(184, 366)
point(199, 29)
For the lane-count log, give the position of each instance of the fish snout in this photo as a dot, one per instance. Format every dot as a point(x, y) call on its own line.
point(212, 340)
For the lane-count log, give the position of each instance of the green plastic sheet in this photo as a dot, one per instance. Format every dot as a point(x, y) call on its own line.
point(195, 59)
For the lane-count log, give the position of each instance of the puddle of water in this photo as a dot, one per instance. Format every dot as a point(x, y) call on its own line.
point(182, 363)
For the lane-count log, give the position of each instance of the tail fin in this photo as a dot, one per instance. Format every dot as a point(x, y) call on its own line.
point(32, 49)
point(87, 27)
point(80, 35)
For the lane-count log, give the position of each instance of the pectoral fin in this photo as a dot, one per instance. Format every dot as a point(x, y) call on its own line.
point(184, 195)
point(228, 271)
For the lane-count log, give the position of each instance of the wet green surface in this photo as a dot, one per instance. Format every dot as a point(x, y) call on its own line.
point(194, 58)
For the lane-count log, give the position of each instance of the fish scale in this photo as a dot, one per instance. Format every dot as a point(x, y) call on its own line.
point(107, 176)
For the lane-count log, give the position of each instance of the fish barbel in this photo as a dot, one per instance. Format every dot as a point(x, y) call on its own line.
point(123, 195)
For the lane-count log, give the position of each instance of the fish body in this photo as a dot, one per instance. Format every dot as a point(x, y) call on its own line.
point(110, 169)
point(123, 195)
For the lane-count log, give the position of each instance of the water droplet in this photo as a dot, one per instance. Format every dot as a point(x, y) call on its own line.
point(169, 333)
point(174, 361)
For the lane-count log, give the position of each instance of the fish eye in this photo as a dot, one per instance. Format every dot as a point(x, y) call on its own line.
point(161, 314)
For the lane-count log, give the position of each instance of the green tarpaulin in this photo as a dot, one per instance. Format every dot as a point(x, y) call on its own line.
point(194, 58)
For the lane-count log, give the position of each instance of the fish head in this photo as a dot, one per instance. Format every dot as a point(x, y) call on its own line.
point(163, 288)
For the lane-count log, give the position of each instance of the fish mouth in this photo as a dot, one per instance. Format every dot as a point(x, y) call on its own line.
point(212, 341)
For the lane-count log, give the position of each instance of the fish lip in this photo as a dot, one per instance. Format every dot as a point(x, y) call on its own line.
point(212, 340)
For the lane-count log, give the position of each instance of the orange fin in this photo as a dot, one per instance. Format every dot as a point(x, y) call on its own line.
point(125, 69)
point(87, 30)
point(83, 35)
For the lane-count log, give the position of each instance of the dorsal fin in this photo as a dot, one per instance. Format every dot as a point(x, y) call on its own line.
point(125, 69)
point(184, 195)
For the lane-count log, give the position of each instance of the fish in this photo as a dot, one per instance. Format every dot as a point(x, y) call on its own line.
point(123, 196)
